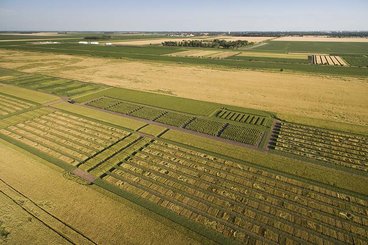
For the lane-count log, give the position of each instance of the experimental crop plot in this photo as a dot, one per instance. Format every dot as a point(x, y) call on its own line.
point(240, 201)
point(328, 60)
point(250, 136)
point(241, 117)
point(242, 127)
point(10, 105)
point(324, 145)
point(65, 137)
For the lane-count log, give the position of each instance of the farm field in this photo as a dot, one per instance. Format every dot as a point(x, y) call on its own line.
point(328, 60)
point(71, 202)
point(153, 53)
point(315, 47)
point(158, 182)
point(327, 146)
point(243, 134)
point(147, 144)
point(204, 54)
point(322, 39)
point(10, 105)
point(148, 171)
point(344, 96)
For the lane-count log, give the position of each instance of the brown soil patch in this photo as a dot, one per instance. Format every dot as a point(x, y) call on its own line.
point(330, 98)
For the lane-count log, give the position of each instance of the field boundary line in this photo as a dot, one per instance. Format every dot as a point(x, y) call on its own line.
point(77, 234)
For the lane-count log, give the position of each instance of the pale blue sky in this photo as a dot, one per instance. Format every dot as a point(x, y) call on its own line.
point(184, 15)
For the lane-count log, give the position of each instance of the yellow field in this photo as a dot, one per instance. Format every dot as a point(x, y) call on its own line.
point(103, 217)
point(339, 99)
point(27, 94)
point(152, 129)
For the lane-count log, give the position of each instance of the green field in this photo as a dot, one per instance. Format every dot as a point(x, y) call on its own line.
point(315, 47)
point(159, 54)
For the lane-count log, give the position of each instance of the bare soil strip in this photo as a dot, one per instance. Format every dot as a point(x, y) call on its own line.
point(342, 62)
point(335, 61)
point(329, 60)
point(319, 61)
point(84, 175)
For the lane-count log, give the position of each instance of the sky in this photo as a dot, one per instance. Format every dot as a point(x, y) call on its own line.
point(183, 15)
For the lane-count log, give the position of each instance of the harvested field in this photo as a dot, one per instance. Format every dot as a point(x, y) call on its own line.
point(118, 152)
point(322, 39)
point(341, 149)
point(240, 202)
point(64, 137)
point(71, 203)
point(328, 60)
point(291, 95)
point(10, 105)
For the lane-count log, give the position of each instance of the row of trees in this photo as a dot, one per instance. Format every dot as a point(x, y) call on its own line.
point(216, 43)
point(103, 37)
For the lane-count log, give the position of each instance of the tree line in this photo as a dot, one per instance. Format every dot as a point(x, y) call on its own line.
point(216, 43)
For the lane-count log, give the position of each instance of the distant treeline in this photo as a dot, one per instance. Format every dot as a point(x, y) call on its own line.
point(104, 37)
point(216, 43)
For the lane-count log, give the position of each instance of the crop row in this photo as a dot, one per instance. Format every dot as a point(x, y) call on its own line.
point(103, 102)
point(206, 126)
point(236, 200)
point(10, 105)
point(103, 161)
point(175, 119)
point(244, 134)
point(323, 145)
point(249, 136)
point(66, 137)
point(241, 117)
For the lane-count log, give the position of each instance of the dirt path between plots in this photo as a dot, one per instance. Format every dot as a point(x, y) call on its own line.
point(339, 99)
